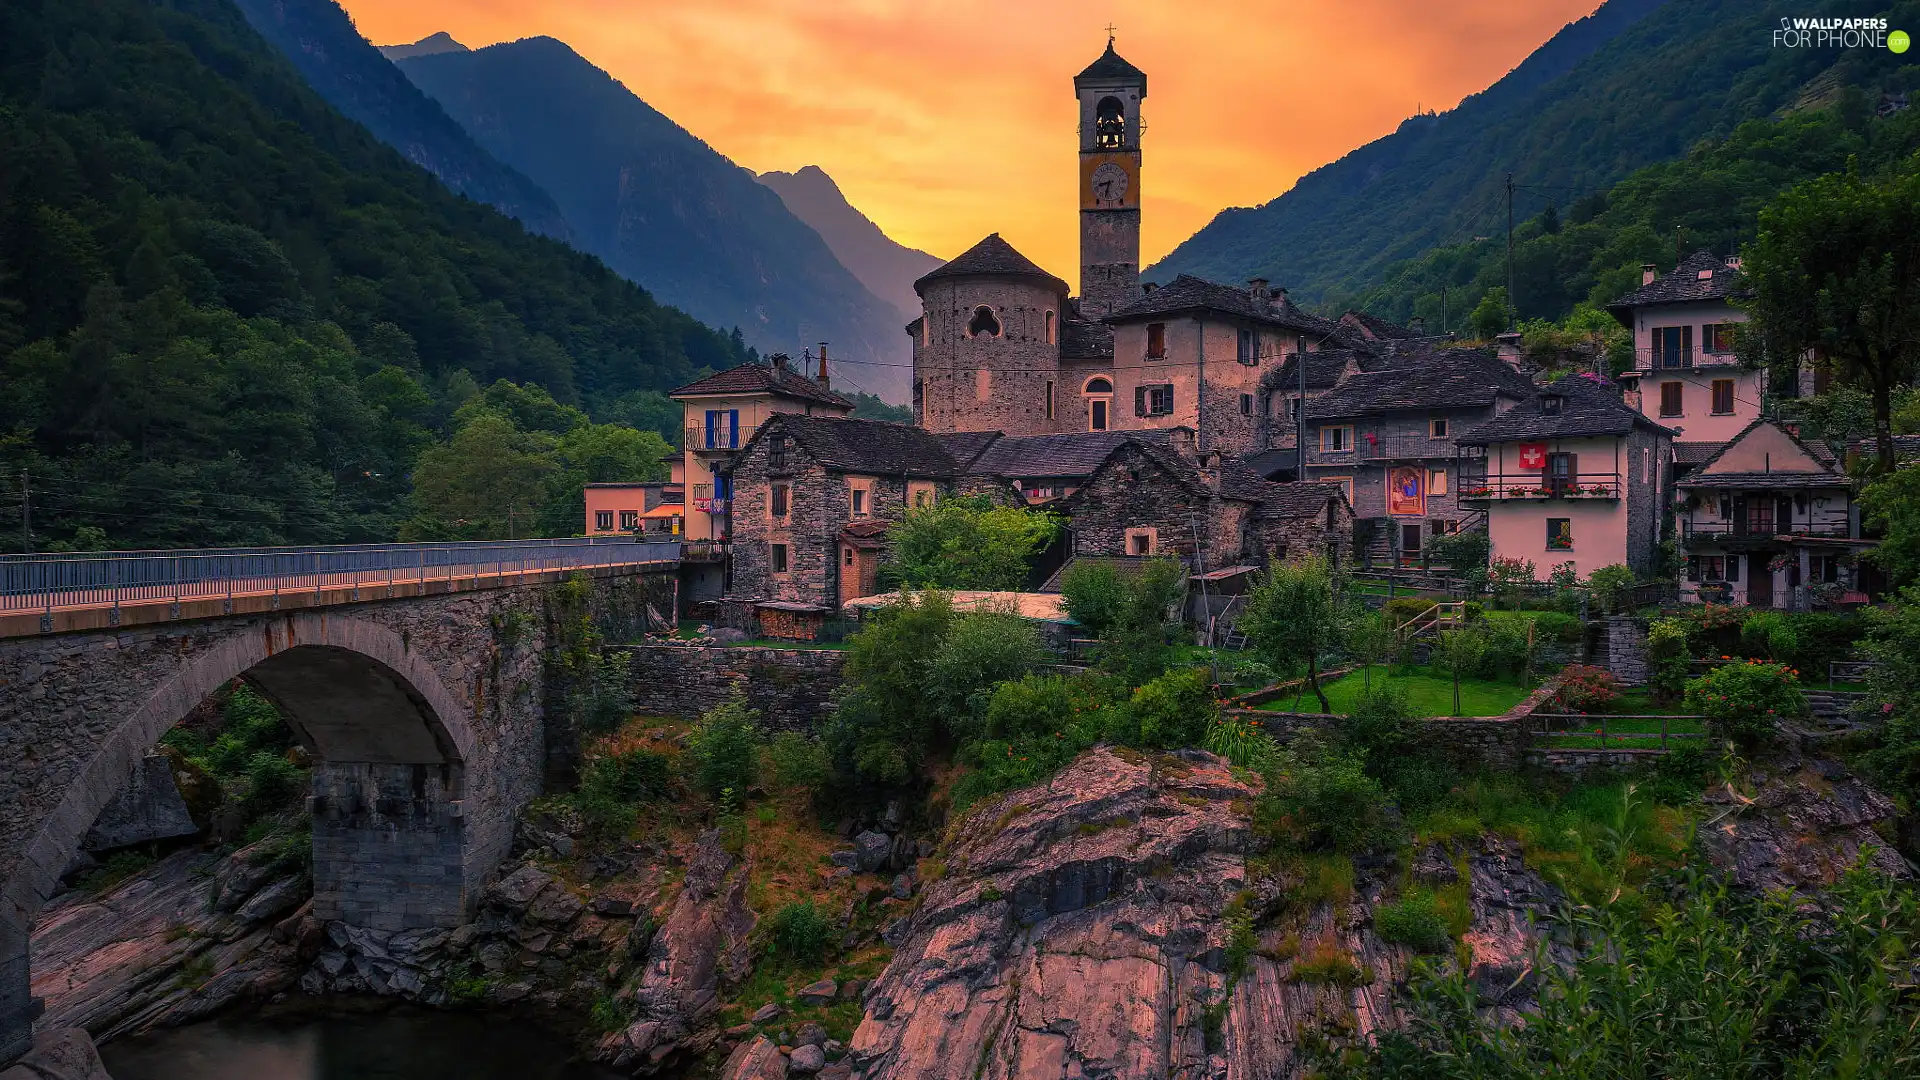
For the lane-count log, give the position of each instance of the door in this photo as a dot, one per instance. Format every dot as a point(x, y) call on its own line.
point(1783, 514)
point(1098, 420)
point(1759, 579)
point(1563, 472)
point(1410, 538)
point(1739, 515)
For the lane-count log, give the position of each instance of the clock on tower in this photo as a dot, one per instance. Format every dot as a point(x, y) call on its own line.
point(1110, 91)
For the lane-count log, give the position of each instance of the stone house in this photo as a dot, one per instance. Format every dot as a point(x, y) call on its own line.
point(722, 412)
point(1388, 436)
point(1572, 475)
point(1685, 375)
point(1769, 521)
point(1207, 508)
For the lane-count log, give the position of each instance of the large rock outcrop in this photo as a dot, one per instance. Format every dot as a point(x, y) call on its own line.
point(59, 1054)
point(1083, 929)
point(1800, 830)
point(702, 946)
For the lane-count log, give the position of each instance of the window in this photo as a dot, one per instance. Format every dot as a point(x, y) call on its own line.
point(920, 494)
point(983, 323)
point(1559, 534)
point(780, 500)
point(1153, 400)
point(1247, 347)
point(1097, 414)
point(629, 520)
point(1142, 541)
point(1049, 328)
point(919, 395)
point(1436, 481)
point(723, 429)
point(603, 520)
point(846, 556)
point(1672, 346)
point(1733, 568)
point(1552, 404)
point(1336, 440)
point(1098, 385)
point(777, 451)
point(1562, 472)
point(859, 502)
point(722, 486)
point(1049, 399)
point(1716, 338)
point(1437, 427)
point(1722, 396)
point(779, 554)
point(1157, 341)
point(1823, 569)
point(1246, 404)
point(1266, 405)
point(1109, 124)
point(1671, 398)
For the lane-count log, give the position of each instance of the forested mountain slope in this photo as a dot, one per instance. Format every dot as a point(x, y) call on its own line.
point(356, 79)
point(663, 207)
point(230, 315)
point(1637, 82)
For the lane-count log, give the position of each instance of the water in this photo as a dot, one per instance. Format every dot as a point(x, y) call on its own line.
point(388, 1046)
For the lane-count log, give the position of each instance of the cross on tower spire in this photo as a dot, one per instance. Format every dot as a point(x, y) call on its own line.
point(1110, 29)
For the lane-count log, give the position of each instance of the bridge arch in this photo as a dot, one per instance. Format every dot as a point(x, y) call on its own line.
point(393, 746)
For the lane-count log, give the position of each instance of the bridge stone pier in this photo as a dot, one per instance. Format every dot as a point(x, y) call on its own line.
point(425, 716)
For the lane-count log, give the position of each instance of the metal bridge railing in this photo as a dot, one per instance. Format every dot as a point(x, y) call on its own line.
point(45, 582)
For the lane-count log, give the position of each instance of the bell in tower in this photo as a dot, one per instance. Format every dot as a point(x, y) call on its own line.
point(1110, 91)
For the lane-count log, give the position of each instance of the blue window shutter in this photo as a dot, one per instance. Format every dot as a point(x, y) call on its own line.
point(713, 422)
point(733, 428)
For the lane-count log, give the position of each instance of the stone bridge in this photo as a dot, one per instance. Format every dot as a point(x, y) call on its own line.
point(423, 704)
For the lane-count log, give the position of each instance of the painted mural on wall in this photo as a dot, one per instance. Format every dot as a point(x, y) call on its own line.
point(1404, 492)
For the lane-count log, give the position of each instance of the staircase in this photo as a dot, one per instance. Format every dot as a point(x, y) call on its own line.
point(1834, 708)
point(1429, 623)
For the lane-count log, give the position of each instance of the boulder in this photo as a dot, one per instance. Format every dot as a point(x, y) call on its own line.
point(756, 1060)
point(871, 851)
point(518, 889)
point(275, 900)
point(59, 1054)
point(817, 993)
point(1799, 834)
point(147, 808)
point(903, 885)
point(807, 1060)
point(766, 1014)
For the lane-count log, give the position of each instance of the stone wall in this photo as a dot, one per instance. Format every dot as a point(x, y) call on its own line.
point(1590, 762)
point(1134, 492)
point(1627, 649)
point(791, 688)
point(389, 848)
point(992, 382)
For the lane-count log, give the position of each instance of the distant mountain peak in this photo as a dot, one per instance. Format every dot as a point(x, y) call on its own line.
point(438, 42)
point(886, 267)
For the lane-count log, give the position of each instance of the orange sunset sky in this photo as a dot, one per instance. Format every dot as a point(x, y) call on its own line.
point(944, 120)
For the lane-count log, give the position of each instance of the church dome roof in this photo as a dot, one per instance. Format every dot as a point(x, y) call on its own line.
point(992, 257)
point(1110, 68)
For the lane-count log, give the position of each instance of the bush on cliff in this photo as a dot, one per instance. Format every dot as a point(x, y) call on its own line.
point(725, 747)
point(1127, 610)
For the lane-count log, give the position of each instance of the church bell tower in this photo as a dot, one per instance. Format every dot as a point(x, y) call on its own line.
point(1110, 91)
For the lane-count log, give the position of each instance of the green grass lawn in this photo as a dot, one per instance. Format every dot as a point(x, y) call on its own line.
point(1632, 703)
point(1430, 694)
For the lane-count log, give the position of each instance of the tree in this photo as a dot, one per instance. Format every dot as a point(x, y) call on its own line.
point(1489, 316)
point(1891, 504)
point(1127, 611)
point(1836, 269)
point(488, 481)
point(1893, 642)
point(966, 542)
point(1294, 617)
point(1459, 654)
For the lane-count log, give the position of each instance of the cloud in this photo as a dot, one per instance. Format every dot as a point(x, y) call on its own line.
point(944, 121)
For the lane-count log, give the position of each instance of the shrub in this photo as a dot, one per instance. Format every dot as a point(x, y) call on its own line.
point(1473, 610)
point(1505, 577)
point(1557, 626)
point(601, 695)
point(1507, 648)
point(1668, 657)
point(1400, 609)
point(1767, 635)
point(884, 723)
point(1094, 596)
point(1415, 921)
point(1587, 689)
point(967, 542)
point(1463, 551)
point(1127, 611)
point(272, 781)
point(798, 761)
point(1239, 740)
point(1612, 588)
point(612, 784)
point(1174, 710)
point(1326, 800)
point(798, 934)
point(1742, 702)
point(979, 652)
point(725, 748)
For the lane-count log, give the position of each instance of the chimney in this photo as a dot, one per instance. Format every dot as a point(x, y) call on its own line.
point(1418, 324)
point(1147, 287)
point(1647, 273)
point(1257, 287)
point(778, 360)
point(1210, 469)
point(823, 364)
point(1181, 439)
point(1280, 299)
point(1733, 262)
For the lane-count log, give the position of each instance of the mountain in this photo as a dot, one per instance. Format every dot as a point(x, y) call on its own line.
point(1636, 82)
point(230, 315)
point(433, 43)
point(354, 78)
point(888, 269)
point(664, 208)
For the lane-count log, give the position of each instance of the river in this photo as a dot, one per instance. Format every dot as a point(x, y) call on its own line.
point(401, 1045)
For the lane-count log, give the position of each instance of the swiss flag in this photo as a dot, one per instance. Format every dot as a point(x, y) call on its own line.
point(1533, 455)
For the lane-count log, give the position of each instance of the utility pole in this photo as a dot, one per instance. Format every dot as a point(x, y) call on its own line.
point(1511, 309)
point(26, 515)
point(1443, 311)
point(1300, 408)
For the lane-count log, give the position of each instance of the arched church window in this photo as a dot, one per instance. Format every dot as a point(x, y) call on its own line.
point(1049, 328)
point(1110, 124)
point(983, 322)
point(1098, 385)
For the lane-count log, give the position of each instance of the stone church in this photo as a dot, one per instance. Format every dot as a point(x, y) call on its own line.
point(1002, 345)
